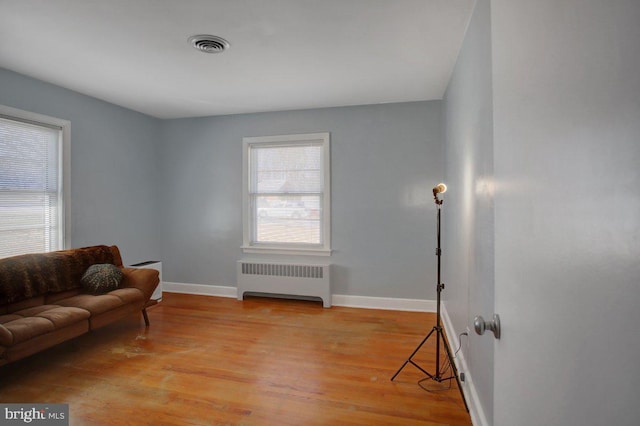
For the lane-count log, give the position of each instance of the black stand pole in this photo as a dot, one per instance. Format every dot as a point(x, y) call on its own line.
point(439, 375)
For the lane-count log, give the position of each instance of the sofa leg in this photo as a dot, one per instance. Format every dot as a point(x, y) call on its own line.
point(146, 317)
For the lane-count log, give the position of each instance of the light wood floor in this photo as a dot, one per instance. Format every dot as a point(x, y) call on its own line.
point(210, 360)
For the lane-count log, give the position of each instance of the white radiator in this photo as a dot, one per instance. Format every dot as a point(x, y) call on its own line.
point(289, 279)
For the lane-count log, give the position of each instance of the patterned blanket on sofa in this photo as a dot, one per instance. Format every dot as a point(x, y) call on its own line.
point(31, 275)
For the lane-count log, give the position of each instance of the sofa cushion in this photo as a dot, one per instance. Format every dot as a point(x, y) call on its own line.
point(24, 304)
point(101, 278)
point(64, 316)
point(128, 295)
point(52, 298)
point(34, 311)
point(94, 304)
point(8, 318)
point(38, 320)
point(27, 328)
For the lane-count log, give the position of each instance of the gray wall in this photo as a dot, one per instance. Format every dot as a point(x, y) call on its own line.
point(384, 161)
point(170, 190)
point(468, 224)
point(113, 165)
point(566, 93)
point(544, 100)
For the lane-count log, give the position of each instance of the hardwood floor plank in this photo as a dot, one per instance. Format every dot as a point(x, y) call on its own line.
point(207, 360)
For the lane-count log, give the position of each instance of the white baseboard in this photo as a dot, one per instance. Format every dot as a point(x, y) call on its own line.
point(366, 302)
point(200, 289)
point(386, 303)
point(478, 418)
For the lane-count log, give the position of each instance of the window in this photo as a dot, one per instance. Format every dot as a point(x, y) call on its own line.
point(33, 181)
point(286, 195)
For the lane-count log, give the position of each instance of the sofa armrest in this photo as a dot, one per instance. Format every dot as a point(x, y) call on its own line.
point(145, 280)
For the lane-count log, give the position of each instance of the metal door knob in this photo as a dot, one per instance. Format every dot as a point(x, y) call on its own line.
point(481, 325)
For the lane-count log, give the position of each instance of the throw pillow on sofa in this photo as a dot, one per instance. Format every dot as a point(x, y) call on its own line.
point(101, 278)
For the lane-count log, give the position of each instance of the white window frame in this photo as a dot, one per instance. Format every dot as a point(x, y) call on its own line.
point(64, 159)
point(248, 246)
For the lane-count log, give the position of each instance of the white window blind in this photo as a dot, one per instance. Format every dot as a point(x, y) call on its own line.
point(287, 192)
point(31, 202)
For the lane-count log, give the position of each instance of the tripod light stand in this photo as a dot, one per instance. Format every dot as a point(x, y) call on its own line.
point(440, 374)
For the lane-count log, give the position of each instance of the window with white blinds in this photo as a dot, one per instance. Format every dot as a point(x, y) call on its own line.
point(32, 213)
point(287, 194)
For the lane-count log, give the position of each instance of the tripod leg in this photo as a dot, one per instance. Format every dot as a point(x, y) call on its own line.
point(409, 360)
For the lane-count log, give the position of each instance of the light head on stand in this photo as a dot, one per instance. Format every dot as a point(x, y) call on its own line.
point(440, 188)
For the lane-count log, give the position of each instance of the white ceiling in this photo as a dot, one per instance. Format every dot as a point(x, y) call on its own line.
point(284, 55)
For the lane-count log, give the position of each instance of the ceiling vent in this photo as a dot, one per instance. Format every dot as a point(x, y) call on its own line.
point(209, 43)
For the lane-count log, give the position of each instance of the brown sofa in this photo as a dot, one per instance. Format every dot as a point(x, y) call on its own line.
point(43, 303)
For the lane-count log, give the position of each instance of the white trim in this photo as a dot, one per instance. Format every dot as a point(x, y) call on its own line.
point(386, 303)
point(478, 418)
point(66, 182)
point(290, 252)
point(365, 302)
point(199, 289)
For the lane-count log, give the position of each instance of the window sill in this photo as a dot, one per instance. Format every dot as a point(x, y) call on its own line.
point(287, 251)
